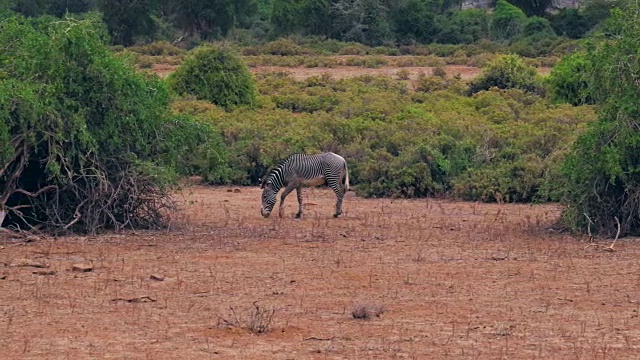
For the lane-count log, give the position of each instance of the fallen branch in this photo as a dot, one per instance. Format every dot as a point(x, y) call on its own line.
point(602, 247)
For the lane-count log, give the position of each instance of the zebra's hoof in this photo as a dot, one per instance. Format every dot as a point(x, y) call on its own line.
point(336, 215)
point(298, 215)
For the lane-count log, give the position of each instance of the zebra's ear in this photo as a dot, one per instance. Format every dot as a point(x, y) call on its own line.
point(261, 183)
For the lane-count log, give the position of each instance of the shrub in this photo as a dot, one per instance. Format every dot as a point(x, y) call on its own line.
point(215, 75)
point(157, 48)
point(508, 21)
point(568, 81)
point(507, 72)
point(430, 83)
point(570, 23)
point(601, 172)
point(283, 47)
point(80, 131)
point(353, 49)
point(463, 26)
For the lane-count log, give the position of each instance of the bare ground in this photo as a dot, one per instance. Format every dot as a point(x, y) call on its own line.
point(449, 279)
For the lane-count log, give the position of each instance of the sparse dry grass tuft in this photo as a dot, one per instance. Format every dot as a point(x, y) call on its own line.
point(367, 311)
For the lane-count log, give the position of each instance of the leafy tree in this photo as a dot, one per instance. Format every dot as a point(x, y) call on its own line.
point(415, 19)
point(208, 18)
point(571, 23)
point(60, 7)
point(285, 16)
point(533, 7)
point(508, 21)
point(507, 72)
point(603, 170)
point(463, 26)
point(127, 19)
point(80, 131)
point(364, 21)
point(450, 5)
point(215, 75)
point(315, 17)
point(598, 10)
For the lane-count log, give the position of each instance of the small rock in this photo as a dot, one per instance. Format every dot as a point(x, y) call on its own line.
point(3, 277)
point(27, 263)
point(499, 256)
point(236, 190)
point(156, 277)
point(82, 268)
point(44, 272)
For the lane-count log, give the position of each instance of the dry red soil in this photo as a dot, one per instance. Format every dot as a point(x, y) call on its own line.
point(448, 279)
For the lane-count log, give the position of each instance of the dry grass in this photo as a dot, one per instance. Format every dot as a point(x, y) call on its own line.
point(460, 280)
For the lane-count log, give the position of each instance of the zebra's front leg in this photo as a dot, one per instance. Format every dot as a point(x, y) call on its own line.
point(299, 193)
point(286, 192)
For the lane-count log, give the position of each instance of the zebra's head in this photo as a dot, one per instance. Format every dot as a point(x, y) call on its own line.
point(268, 198)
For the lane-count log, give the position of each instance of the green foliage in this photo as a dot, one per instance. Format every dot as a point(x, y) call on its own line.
point(211, 18)
point(216, 75)
point(463, 26)
point(81, 127)
point(415, 20)
point(283, 47)
point(507, 72)
point(193, 147)
point(285, 16)
point(533, 7)
point(364, 21)
point(568, 80)
point(508, 21)
point(127, 19)
point(571, 23)
point(602, 171)
point(429, 143)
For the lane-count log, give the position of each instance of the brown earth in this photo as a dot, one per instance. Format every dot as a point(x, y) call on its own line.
point(448, 279)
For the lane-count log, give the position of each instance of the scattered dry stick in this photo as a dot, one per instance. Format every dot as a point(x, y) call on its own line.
point(602, 247)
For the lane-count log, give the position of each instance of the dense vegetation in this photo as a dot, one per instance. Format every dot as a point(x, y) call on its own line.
point(602, 172)
point(370, 22)
point(87, 142)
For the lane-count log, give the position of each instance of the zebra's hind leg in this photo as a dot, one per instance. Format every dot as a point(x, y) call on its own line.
point(340, 196)
point(299, 193)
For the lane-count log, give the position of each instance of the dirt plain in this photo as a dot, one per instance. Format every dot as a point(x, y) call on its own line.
point(439, 279)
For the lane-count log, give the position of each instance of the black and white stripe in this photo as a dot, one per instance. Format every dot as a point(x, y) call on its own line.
point(305, 170)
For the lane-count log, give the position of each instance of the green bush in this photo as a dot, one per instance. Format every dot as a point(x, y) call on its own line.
point(195, 148)
point(508, 72)
point(215, 75)
point(508, 21)
point(463, 26)
point(601, 173)
point(568, 81)
point(284, 47)
point(571, 23)
point(429, 143)
point(80, 140)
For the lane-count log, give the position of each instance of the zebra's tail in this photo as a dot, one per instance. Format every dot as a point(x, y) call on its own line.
point(346, 178)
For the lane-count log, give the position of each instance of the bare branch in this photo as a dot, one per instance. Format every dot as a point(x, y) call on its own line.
point(37, 193)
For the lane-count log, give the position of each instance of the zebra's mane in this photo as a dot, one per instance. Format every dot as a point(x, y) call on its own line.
point(271, 172)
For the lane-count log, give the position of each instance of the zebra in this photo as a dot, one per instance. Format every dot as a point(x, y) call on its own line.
point(305, 170)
